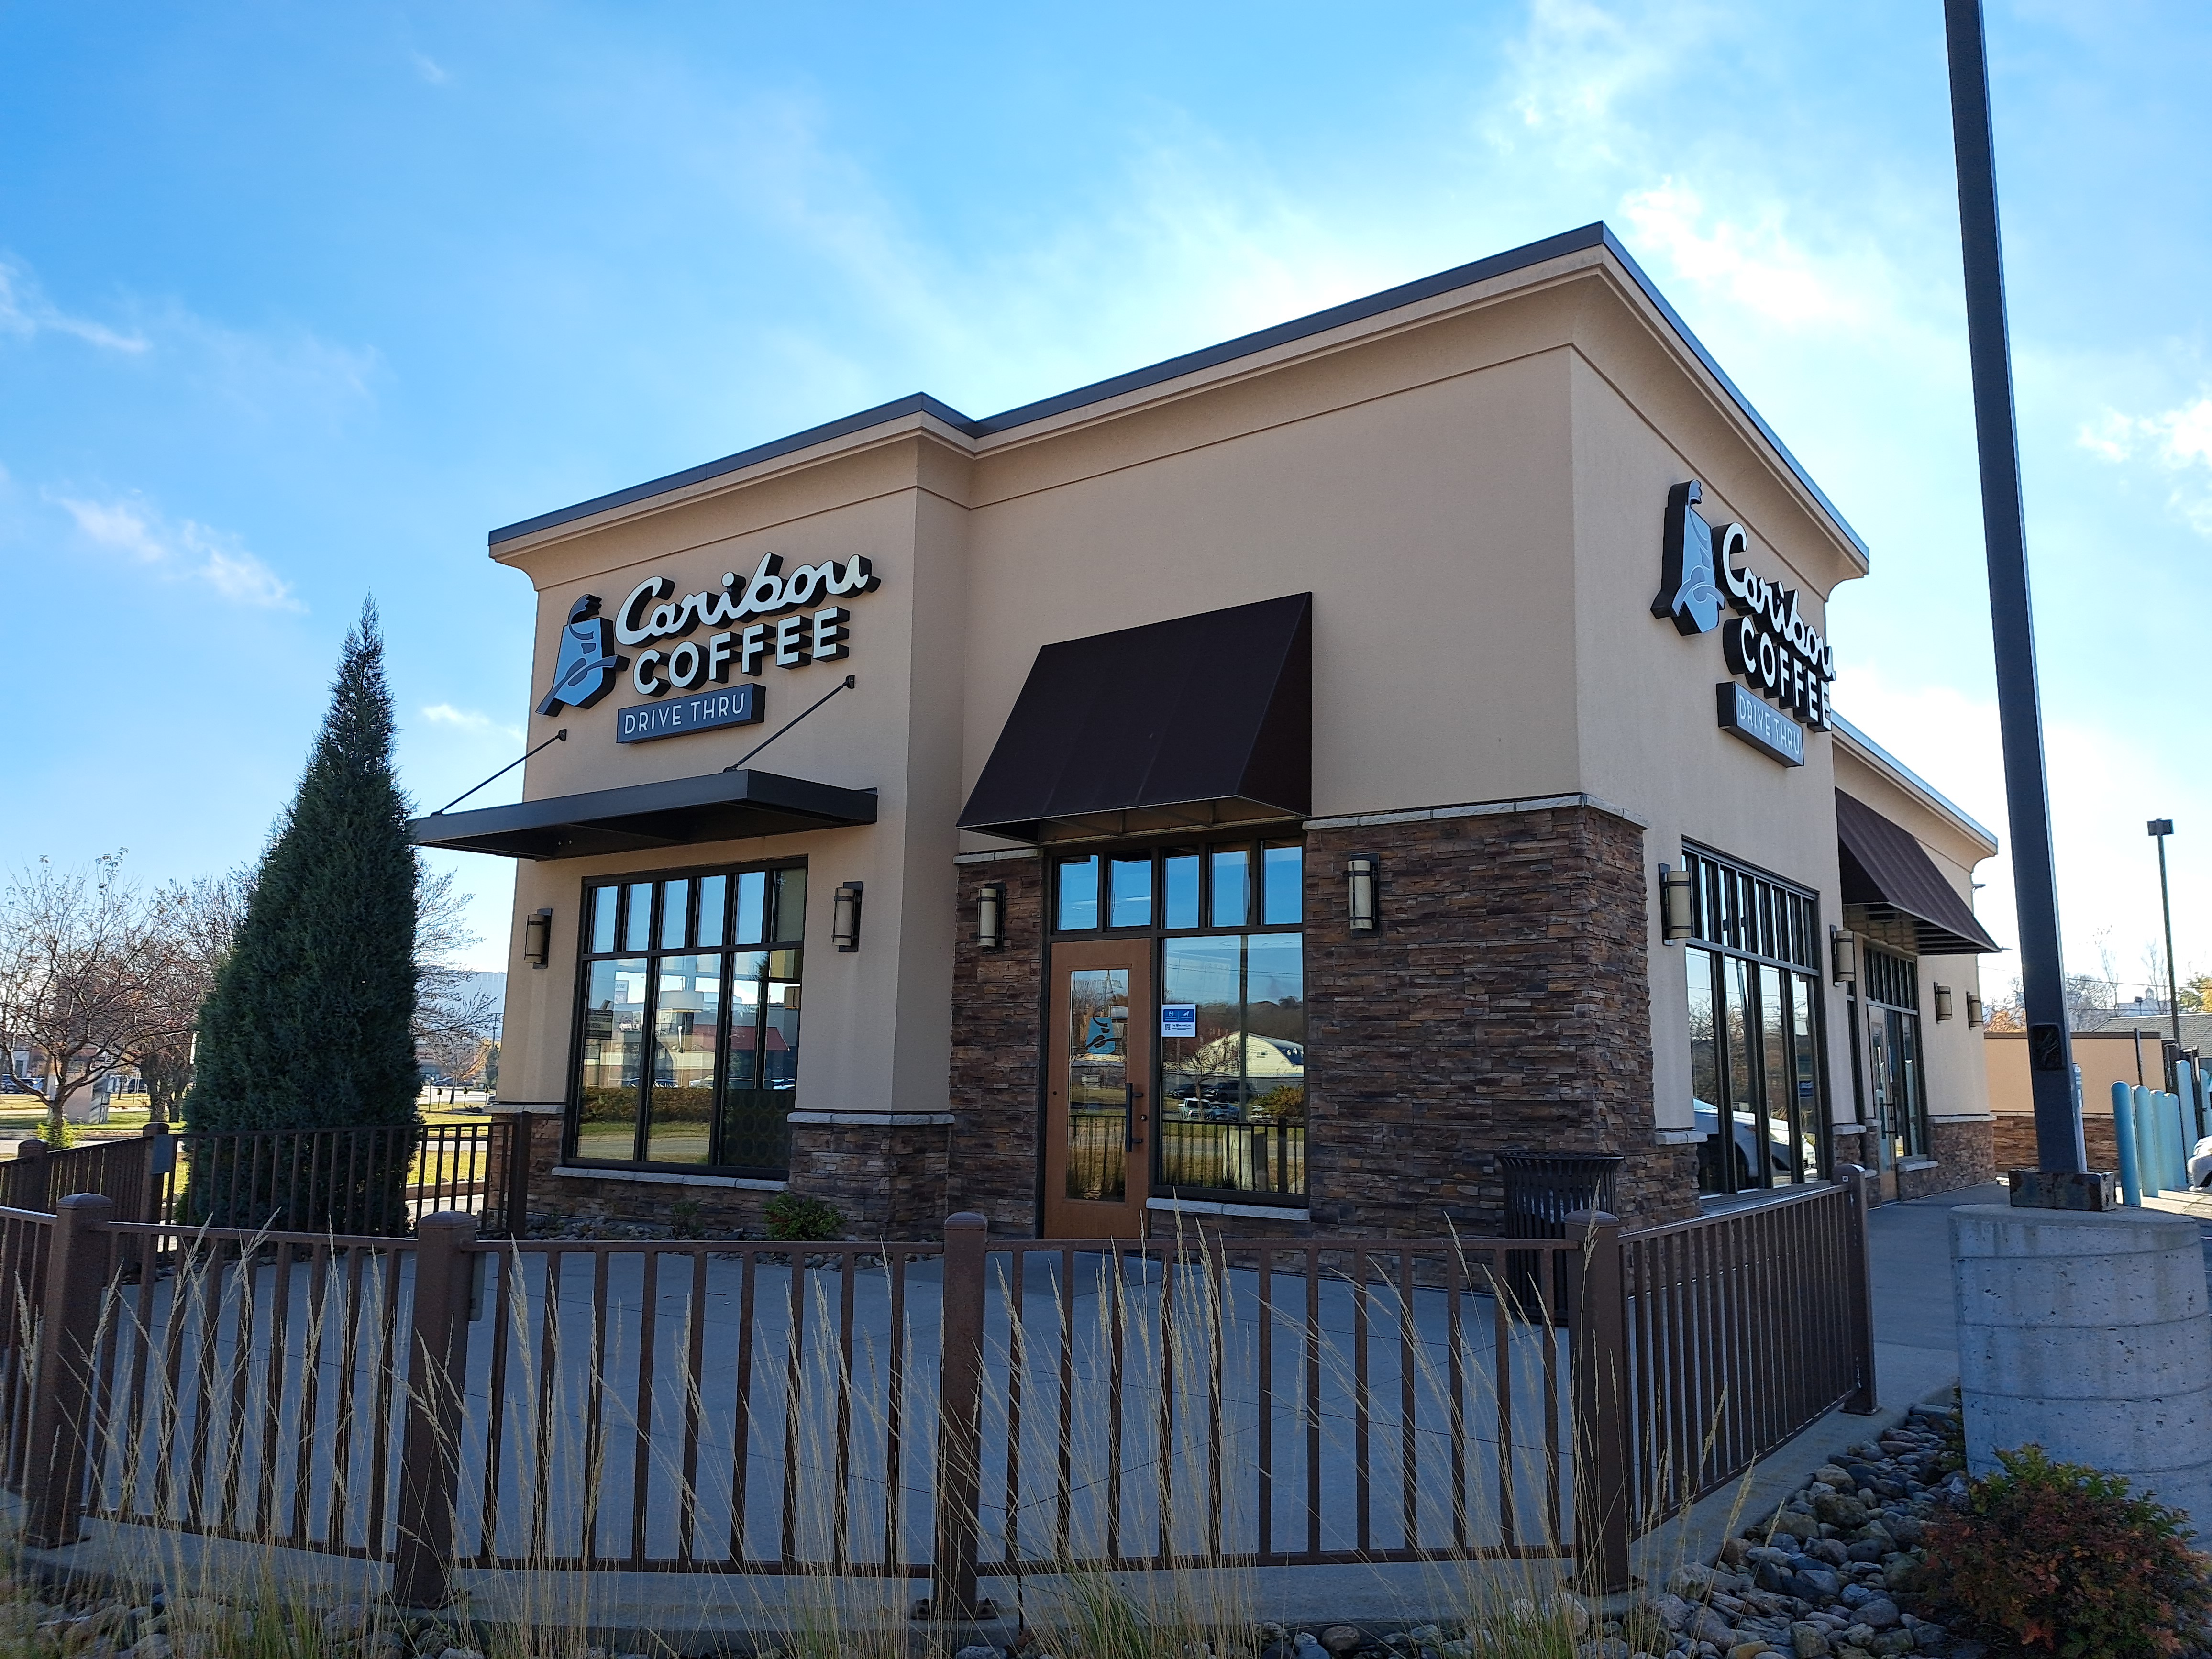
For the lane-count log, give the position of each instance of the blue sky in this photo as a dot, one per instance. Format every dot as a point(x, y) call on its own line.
point(297, 301)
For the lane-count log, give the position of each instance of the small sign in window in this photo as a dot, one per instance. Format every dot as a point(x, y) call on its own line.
point(1178, 1019)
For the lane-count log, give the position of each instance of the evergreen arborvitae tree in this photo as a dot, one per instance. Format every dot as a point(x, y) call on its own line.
point(309, 1026)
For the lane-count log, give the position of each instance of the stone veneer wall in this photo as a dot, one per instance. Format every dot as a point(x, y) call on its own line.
point(888, 1175)
point(1503, 1003)
point(998, 1045)
point(2014, 1139)
point(1964, 1154)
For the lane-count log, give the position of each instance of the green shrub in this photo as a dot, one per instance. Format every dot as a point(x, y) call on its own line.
point(795, 1220)
point(2057, 1558)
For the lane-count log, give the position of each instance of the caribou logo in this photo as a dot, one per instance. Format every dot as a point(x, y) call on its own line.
point(1687, 591)
point(584, 669)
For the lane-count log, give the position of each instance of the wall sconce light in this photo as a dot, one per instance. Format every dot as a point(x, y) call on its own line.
point(1943, 1002)
point(844, 917)
point(1677, 919)
point(1359, 893)
point(1844, 955)
point(538, 939)
point(990, 917)
point(1973, 1009)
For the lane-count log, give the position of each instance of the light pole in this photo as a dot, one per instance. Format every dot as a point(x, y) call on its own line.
point(2059, 1149)
point(2161, 828)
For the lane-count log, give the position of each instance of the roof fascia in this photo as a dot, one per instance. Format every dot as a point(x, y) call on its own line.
point(1583, 239)
point(1887, 766)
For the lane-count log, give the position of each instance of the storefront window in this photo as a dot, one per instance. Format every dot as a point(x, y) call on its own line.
point(1231, 1118)
point(1755, 1074)
point(689, 1052)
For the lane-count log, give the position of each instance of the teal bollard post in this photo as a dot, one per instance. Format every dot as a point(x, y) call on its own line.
point(2182, 1141)
point(2184, 1102)
point(2146, 1159)
point(2124, 1130)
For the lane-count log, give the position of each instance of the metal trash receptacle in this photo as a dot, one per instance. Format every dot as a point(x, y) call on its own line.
point(1542, 1189)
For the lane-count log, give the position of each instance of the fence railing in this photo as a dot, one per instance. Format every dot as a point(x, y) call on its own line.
point(953, 1410)
point(366, 1181)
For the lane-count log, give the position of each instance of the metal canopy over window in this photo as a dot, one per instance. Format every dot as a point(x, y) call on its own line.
point(1886, 870)
point(680, 812)
point(1196, 722)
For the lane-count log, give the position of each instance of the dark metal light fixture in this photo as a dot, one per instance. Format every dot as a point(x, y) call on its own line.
point(1943, 1002)
point(538, 939)
point(1677, 919)
point(1844, 955)
point(2161, 828)
point(1359, 893)
point(1973, 1009)
point(844, 917)
point(990, 917)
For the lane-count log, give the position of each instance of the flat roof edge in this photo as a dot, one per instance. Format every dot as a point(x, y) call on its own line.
point(918, 403)
point(1579, 240)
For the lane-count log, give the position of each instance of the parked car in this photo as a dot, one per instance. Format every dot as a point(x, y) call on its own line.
point(1706, 1117)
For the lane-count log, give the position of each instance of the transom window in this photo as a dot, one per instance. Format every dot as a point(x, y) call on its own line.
point(1758, 1080)
point(1229, 968)
point(688, 1039)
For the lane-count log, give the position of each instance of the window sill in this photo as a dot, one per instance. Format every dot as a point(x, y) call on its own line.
point(1918, 1162)
point(669, 1178)
point(871, 1120)
point(1677, 1137)
point(1207, 1207)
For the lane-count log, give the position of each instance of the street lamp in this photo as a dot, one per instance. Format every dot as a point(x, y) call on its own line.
point(2159, 830)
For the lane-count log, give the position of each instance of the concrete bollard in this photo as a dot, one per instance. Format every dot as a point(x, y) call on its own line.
point(2146, 1159)
point(2086, 1333)
point(2123, 1131)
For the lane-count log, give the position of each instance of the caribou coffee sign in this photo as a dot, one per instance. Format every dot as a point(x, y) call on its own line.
point(1769, 646)
point(791, 628)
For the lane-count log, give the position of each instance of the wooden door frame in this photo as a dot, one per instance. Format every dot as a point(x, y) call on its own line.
point(1061, 1217)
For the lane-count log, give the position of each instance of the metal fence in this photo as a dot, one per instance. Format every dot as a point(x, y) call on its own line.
point(370, 1182)
point(952, 1410)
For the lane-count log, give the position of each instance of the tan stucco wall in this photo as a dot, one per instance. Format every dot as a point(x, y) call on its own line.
point(1473, 489)
point(2104, 1057)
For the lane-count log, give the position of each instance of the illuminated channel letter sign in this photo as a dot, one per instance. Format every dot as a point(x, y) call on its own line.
point(1768, 645)
point(791, 626)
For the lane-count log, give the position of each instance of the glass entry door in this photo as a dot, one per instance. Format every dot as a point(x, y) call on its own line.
point(1098, 1059)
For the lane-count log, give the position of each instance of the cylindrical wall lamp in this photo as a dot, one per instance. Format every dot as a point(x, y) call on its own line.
point(538, 939)
point(844, 917)
point(1844, 954)
point(1973, 1009)
point(990, 916)
point(1677, 913)
point(1943, 1002)
point(1359, 893)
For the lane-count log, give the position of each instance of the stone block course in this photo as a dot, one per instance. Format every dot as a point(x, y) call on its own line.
point(997, 1049)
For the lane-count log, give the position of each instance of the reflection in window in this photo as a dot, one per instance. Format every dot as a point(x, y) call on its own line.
point(1282, 884)
point(1232, 1096)
point(1755, 1077)
point(1232, 887)
point(1179, 884)
point(1077, 910)
point(1129, 892)
point(689, 1056)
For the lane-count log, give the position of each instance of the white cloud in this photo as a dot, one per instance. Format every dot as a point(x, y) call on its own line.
point(25, 311)
point(2179, 441)
point(469, 719)
point(1755, 265)
point(428, 70)
point(184, 549)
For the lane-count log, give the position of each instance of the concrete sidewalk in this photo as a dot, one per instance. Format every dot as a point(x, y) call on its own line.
point(1916, 1323)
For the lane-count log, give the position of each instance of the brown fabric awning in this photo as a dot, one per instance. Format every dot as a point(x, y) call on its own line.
point(1197, 721)
point(1888, 872)
point(679, 812)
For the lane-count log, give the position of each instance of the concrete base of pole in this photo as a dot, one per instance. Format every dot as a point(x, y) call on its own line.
point(2088, 1334)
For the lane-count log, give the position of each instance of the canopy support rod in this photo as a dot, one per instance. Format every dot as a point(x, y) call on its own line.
point(558, 737)
point(845, 684)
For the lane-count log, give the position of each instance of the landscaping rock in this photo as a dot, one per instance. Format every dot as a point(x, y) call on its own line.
point(1341, 1638)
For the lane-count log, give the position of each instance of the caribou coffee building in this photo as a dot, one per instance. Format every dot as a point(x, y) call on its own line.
point(1260, 788)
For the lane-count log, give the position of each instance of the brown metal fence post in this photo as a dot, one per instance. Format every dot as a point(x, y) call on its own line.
point(1859, 1267)
point(160, 1159)
point(521, 1146)
point(960, 1422)
point(28, 1189)
point(1600, 1335)
point(430, 1456)
point(61, 1395)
